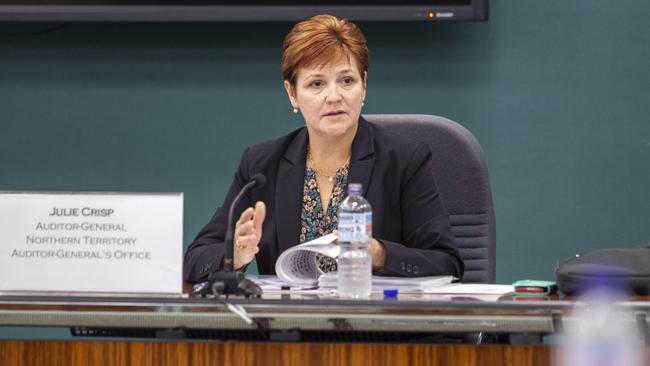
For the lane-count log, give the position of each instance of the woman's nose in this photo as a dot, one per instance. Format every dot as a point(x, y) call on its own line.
point(333, 94)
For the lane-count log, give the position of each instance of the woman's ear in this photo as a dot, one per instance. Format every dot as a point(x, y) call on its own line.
point(365, 79)
point(291, 93)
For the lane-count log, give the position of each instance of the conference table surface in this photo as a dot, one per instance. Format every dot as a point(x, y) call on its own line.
point(284, 311)
point(410, 327)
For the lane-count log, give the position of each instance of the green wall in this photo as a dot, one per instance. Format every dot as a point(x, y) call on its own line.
point(557, 92)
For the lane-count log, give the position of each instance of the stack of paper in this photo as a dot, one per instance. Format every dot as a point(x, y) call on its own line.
point(402, 284)
point(474, 289)
point(271, 283)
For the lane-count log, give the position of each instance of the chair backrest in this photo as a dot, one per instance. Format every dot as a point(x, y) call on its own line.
point(462, 177)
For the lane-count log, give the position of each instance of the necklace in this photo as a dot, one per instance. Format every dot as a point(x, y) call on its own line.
point(329, 176)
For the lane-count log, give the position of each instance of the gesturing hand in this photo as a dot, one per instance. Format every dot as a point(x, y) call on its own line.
point(248, 232)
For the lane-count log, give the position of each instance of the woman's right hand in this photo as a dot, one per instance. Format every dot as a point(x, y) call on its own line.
point(248, 233)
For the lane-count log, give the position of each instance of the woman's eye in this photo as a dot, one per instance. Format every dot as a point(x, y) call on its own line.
point(316, 84)
point(347, 80)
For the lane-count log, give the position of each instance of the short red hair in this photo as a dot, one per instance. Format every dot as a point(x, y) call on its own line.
point(319, 40)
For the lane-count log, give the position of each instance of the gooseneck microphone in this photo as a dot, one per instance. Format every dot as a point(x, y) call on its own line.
point(228, 281)
point(257, 180)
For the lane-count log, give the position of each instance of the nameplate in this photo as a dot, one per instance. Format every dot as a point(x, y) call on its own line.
point(99, 243)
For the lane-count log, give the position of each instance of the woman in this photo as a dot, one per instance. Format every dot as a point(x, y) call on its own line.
point(325, 69)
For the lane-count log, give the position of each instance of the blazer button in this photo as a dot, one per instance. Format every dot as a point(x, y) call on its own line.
point(416, 269)
point(409, 268)
point(402, 266)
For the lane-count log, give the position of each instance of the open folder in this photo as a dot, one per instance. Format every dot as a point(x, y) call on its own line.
point(298, 267)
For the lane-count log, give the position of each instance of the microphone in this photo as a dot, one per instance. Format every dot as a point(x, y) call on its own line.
point(228, 281)
point(257, 180)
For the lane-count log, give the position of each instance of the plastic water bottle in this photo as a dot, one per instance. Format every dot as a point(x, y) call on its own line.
point(355, 234)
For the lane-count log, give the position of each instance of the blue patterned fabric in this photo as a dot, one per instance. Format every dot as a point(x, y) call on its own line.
point(313, 221)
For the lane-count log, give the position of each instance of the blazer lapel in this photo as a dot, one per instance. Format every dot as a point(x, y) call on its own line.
point(362, 160)
point(291, 177)
point(288, 191)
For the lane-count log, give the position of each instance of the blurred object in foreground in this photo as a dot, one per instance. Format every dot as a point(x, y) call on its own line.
point(601, 332)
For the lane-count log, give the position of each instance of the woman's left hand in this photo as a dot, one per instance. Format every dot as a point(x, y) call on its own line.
point(377, 252)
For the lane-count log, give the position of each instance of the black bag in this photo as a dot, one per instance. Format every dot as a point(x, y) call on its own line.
point(624, 269)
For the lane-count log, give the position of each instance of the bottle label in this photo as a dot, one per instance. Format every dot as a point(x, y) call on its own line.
point(355, 226)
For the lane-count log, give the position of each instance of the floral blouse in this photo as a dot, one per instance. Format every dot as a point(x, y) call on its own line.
point(314, 222)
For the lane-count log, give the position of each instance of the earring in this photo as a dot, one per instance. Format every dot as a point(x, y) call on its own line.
point(295, 110)
point(362, 104)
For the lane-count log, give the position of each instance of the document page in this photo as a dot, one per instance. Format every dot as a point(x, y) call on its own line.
point(298, 265)
point(474, 289)
point(402, 284)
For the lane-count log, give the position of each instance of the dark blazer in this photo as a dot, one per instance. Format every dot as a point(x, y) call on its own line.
point(409, 217)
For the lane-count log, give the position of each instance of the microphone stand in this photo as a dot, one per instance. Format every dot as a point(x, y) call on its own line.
point(228, 281)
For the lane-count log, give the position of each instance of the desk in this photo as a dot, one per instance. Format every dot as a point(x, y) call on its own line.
point(286, 331)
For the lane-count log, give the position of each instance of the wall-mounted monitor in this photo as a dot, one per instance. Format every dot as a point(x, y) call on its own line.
point(239, 10)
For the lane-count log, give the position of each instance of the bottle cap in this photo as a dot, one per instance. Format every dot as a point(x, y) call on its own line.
point(355, 188)
point(390, 292)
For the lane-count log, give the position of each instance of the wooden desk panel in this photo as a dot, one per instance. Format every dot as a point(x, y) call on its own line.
point(99, 353)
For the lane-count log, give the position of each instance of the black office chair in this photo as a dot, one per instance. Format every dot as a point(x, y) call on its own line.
point(462, 177)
